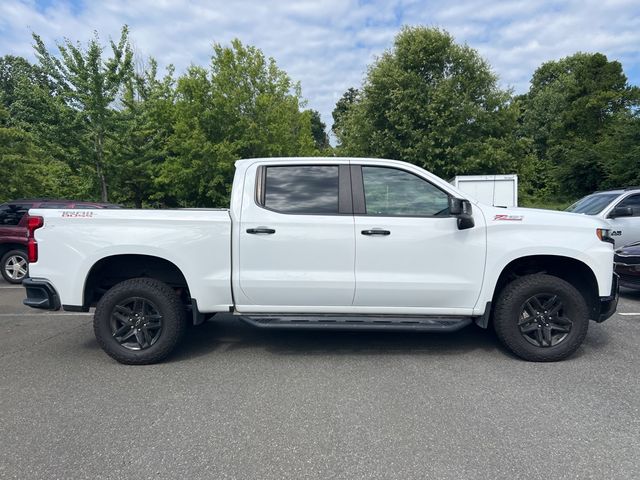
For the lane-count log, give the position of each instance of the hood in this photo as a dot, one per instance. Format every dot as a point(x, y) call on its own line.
point(538, 216)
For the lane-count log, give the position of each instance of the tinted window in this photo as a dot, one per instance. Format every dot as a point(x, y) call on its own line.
point(53, 205)
point(12, 214)
point(85, 207)
point(302, 189)
point(592, 204)
point(394, 193)
point(634, 202)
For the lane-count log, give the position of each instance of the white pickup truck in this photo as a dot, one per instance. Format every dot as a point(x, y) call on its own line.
point(349, 243)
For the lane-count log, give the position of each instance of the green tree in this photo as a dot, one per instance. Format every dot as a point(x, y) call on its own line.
point(573, 106)
point(90, 85)
point(342, 108)
point(143, 129)
point(434, 103)
point(318, 131)
point(244, 106)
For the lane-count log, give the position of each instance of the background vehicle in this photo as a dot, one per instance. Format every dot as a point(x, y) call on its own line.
point(621, 210)
point(627, 265)
point(13, 232)
point(327, 243)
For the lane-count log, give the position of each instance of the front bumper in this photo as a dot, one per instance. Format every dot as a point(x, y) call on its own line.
point(40, 294)
point(609, 304)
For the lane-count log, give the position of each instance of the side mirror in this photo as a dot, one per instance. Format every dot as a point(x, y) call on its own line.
point(461, 209)
point(621, 212)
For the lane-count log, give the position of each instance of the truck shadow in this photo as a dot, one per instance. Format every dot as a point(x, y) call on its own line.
point(232, 334)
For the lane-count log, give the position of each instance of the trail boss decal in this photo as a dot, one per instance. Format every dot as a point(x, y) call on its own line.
point(78, 214)
point(509, 218)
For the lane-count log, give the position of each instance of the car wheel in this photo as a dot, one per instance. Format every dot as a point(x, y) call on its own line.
point(14, 266)
point(139, 321)
point(541, 318)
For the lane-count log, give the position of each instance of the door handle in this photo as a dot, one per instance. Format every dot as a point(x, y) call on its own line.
point(268, 231)
point(376, 231)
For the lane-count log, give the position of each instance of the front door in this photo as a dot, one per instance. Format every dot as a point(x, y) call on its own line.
point(410, 255)
point(296, 239)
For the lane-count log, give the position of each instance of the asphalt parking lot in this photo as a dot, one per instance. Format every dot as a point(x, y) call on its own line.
point(234, 402)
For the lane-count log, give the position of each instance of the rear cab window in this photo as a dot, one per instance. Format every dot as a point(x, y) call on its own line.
point(300, 189)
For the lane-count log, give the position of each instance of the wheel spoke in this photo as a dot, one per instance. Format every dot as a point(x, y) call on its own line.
point(546, 335)
point(530, 309)
point(153, 325)
point(147, 336)
point(140, 339)
point(138, 306)
point(559, 328)
point(535, 303)
point(126, 336)
point(124, 310)
point(529, 328)
point(122, 318)
point(121, 331)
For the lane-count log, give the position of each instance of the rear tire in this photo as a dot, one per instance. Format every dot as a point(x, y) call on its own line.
point(14, 266)
point(541, 318)
point(139, 321)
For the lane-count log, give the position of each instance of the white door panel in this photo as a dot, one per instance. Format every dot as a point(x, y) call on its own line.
point(423, 262)
point(306, 259)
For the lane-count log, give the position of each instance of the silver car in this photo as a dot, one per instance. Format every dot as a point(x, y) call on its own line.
point(620, 208)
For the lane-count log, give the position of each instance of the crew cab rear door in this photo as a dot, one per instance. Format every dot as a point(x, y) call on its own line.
point(296, 238)
point(410, 255)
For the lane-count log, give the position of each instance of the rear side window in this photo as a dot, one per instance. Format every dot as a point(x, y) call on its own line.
point(302, 189)
point(11, 214)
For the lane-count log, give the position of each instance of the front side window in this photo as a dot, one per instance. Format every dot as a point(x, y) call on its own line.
point(396, 193)
point(632, 201)
point(302, 189)
point(11, 214)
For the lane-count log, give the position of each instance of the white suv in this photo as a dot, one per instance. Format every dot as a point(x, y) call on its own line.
point(620, 208)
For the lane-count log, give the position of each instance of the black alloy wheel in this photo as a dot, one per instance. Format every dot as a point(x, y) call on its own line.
point(136, 323)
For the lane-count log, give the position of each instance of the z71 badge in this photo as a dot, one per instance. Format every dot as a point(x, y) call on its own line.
point(509, 218)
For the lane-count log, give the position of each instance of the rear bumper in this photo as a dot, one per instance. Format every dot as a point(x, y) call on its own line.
point(40, 294)
point(609, 304)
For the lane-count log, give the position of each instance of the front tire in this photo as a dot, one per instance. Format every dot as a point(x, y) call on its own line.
point(541, 318)
point(139, 321)
point(14, 266)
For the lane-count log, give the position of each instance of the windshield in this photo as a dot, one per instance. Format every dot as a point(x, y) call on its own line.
point(592, 204)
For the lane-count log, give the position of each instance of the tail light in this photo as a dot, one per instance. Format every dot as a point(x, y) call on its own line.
point(33, 223)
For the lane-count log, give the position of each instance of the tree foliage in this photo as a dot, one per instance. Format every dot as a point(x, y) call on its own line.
point(83, 123)
point(90, 85)
point(431, 102)
point(577, 109)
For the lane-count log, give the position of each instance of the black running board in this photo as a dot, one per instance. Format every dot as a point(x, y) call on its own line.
point(358, 322)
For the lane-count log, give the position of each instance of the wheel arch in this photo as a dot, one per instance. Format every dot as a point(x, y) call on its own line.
point(572, 270)
point(113, 269)
point(7, 247)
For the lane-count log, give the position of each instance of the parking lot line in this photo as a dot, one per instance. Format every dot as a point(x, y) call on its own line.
point(9, 287)
point(628, 314)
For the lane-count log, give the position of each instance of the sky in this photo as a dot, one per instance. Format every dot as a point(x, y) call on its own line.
point(327, 45)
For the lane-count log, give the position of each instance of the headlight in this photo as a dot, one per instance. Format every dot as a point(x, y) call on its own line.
point(604, 234)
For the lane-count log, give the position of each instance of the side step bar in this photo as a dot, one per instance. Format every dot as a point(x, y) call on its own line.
point(358, 322)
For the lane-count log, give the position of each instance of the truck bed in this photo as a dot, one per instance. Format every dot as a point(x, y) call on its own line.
point(197, 241)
